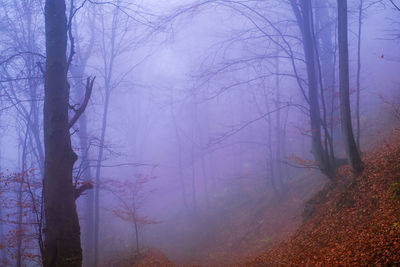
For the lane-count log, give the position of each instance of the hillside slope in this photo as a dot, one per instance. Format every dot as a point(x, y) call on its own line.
point(242, 226)
point(354, 222)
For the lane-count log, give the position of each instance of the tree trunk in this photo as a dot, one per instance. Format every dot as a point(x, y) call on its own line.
point(137, 237)
point(2, 238)
point(87, 227)
point(180, 167)
point(327, 58)
point(270, 160)
point(97, 181)
point(135, 223)
point(360, 13)
point(109, 55)
point(2, 235)
point(20, 230)
point(89, 215)
point(347, 130)
point(193, 167)
point(304, 21)
point(62, 233)
point(278, 128)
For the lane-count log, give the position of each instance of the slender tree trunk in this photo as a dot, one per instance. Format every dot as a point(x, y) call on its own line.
point(205, 179)
point(285, 173)
point(135, 223)
point(328, 143)
point(180, 167)
point(278, 129)
point(2, 236)
point(212, 175)
point(88, 236)
point(270, 160)
point(137, 237)
point(109, 57)
point(360, 13)
point(202, 159)
point(335, 131)
point(304, 20)
point(88, 229)
point(34, 122)
point(345, 113)
point(193, 154)
point(78, 71)
point(315, 117)
point(97, 180)
point(20, 230)
point(62, 233)
point(326, 53)
point(193, 161)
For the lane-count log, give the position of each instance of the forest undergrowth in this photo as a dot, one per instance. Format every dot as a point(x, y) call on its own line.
point(356, 222)
point(352, 222)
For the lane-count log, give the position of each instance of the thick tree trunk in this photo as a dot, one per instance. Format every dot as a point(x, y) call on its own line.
point(62, 232)
point(345, 113)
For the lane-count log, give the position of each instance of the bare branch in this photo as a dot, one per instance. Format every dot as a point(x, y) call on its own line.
point(396, 6)
point(78, 191)
point(235, 131)
point(20, 54)
point(88, 93)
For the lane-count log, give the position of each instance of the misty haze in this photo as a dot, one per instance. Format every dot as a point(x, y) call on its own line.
point(199, 133)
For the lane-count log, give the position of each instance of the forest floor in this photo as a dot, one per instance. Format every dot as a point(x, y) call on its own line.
point(352, 222)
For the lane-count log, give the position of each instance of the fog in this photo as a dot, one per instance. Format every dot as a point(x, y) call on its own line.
point(196, 137)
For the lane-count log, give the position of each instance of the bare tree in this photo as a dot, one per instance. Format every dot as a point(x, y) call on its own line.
point(21, 92)
point(62, 245)
point(269, 30)
point(358, 86)
point(113, 44)
point(78, 69)
point(352, 152)
point(179, 148)
point(303, 14)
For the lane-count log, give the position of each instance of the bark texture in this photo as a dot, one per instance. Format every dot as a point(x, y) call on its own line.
point(62, 232)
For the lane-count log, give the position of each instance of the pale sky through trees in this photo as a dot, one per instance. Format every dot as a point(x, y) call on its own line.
point(200, 108)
